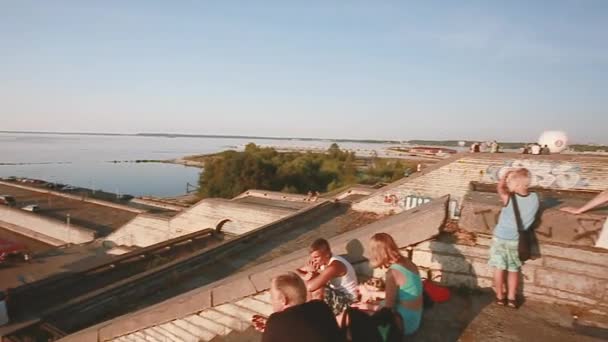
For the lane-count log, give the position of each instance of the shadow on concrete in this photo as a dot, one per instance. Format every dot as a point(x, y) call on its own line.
point(448, 321)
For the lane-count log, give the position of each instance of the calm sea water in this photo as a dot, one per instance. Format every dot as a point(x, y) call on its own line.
point(85, 161)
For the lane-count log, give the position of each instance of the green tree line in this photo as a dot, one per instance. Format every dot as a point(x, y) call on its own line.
point(230, 173)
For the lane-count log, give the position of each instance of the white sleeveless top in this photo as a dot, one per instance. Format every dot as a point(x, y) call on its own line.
point(347, 283)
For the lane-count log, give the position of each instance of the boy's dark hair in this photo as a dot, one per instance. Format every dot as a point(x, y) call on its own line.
point(320, 245)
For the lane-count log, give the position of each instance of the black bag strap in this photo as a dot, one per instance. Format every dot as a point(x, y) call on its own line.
point(520, 225)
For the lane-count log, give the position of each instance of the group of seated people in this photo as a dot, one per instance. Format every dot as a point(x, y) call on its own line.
point(309, 303)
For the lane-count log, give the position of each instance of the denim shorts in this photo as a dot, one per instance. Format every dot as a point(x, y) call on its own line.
point(504, 255)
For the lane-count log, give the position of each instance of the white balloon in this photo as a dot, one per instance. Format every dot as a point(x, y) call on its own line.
point(557, 141)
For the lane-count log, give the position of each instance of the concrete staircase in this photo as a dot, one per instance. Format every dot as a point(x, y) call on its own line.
point(222, 323)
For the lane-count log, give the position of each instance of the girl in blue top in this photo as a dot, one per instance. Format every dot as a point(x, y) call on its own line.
point(403, 286)
point(504, 256)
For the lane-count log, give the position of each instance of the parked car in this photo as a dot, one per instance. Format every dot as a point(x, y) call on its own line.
point(11, 249)
point(8, 200)
point(31, 207)
point(68, 188)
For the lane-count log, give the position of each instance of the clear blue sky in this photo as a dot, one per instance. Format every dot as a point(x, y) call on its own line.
point(343, 69)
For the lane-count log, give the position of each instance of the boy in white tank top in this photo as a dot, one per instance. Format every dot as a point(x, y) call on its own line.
point(330, 278)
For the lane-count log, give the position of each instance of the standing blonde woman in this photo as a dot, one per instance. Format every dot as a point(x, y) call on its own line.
point(504, 256)
point(403, 289)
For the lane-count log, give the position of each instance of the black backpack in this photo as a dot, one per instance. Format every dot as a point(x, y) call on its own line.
point(382, 326)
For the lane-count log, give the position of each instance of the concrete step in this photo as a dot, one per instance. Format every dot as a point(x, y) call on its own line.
point(201, 333)
point(241, 313)
point(208, 325)
point(256, 306)
point(224, 319)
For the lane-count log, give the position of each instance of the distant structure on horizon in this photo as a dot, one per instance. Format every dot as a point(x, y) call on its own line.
point(556, 141)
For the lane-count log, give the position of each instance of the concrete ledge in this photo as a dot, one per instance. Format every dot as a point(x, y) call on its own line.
point(189, 302)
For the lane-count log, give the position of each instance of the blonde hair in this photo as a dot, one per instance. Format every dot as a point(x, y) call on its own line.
point(384, 250)
point(291, 286)
point(518, 179)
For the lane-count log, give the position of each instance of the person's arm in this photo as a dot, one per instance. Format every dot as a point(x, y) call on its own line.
point(333, 270)
point(502, 189)
point(598, 200)
point(272, 332)
point(390, 289)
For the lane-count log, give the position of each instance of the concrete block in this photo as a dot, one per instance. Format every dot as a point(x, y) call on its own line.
point(195, 330)
point(482, 240)
point(153, 335)
point(439, 247)
point(251, 304)
point(229, 321)
point(597, 256)
point(232, 290)
point(551, 300)
point(235, 311)
point(577, 267)
point(557, 296)
point(182, 334)
point(576, 284)
point(145, 338)
point(528, 272)
point(480, 268)
point(182, 305)
point(165, 334)
point(469, 281)
point(208, 325)
point(261, 280)
point(263, 297)
point(441, 262)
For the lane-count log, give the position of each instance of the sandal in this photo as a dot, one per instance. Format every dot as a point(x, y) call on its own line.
point(512, 303)
point(500, 301)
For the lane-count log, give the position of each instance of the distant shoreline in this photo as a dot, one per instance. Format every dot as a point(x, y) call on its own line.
point(443, 143)
point(217, 136)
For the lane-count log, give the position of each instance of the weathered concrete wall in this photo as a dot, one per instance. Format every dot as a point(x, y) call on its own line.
point(554, 225)
point(454, 175)
point(145, 230)
point(209, 212)
point(17, 219)
point(563, 275)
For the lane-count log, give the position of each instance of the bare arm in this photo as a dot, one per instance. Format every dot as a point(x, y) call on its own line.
point(502, 189)
point(390, 300)
point(598, 200)
point(333, 270)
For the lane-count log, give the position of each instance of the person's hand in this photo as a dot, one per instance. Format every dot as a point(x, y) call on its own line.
point(259, 322)
point(309, 275)
point(312, 266)
point(571, 210)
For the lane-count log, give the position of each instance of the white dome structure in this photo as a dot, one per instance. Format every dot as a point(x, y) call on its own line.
point(557, 141)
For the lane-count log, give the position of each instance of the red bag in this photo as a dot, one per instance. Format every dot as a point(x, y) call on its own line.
point(437, 293)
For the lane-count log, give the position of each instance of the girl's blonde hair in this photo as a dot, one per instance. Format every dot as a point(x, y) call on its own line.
point(518, 179)
point(384, 250)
